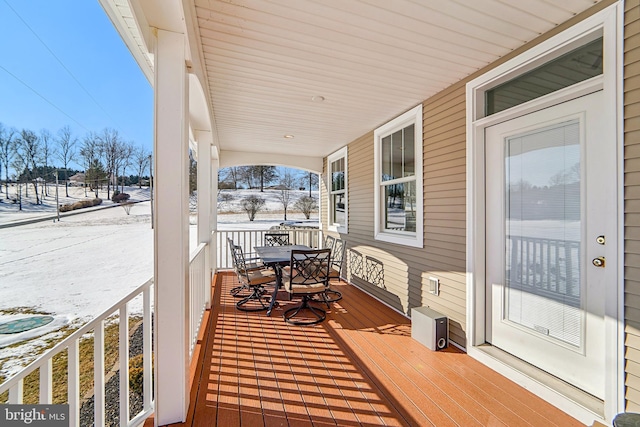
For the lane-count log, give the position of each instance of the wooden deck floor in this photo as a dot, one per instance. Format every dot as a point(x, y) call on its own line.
point(359, 367)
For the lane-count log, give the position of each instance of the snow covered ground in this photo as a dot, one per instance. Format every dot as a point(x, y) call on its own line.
point(77, 268)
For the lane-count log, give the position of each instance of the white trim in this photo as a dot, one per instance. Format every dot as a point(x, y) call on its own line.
point(414, 239)
point(609, 22)
point(331, 226)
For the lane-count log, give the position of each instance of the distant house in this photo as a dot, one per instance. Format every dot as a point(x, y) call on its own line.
point(77, 179)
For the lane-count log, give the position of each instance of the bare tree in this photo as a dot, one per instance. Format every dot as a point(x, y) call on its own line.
point(46, 144)
point(66, 152)
point(286, 183)
point(90, 154)
point(309, 180)
point(123, 161)
point(141, 158)
point(231, 174)
point(30, 149)
point(18, 163)
point(111, 151)
point(266, 175)
point(7, 152)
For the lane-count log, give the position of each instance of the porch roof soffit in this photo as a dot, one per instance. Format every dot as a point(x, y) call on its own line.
point(326, 72)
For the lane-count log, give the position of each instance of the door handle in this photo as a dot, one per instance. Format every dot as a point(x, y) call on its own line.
point(598, 261)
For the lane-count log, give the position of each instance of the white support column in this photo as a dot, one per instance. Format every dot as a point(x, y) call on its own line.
point(215, 168)
point(171, 229)
point(204, 202)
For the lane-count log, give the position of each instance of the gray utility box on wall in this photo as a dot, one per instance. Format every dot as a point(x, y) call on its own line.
point(429, 328)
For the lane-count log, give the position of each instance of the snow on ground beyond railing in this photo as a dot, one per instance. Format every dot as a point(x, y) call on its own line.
point(44, 363)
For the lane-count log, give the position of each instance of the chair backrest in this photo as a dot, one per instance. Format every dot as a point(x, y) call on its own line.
point(329, 241)
point(310, 266)
point(337, 258)
point(239, 263)
point(276, 239)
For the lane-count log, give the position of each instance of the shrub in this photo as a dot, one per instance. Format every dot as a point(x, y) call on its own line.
point(86, 203)
point(120, 197)
point(306, 205)
point(252, 205)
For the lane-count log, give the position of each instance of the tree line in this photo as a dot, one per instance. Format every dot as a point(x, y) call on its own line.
point(263, 176)
point(36, 158)
point(260, 176)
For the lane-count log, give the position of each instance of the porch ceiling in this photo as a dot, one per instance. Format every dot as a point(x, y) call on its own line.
point(371, 60)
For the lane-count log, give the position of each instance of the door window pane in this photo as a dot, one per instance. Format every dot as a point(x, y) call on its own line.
point(543, 231)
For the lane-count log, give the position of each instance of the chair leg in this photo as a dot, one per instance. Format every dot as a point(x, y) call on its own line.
point(332, 296)
point(256, 295)
point(237, 291)
point(319, 313)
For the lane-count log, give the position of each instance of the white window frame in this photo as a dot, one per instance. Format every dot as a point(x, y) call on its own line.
point(332, 225)
point(407, 238)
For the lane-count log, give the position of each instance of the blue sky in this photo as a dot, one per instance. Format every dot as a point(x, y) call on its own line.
point(81, 35)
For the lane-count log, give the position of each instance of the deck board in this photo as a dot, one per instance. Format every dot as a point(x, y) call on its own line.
point(360, 367)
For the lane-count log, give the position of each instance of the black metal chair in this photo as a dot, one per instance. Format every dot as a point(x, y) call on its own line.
point(329, 241)
point(253, 279)
point(276, 239)
point(251, 263)
point(308, 276)
point(335, 271)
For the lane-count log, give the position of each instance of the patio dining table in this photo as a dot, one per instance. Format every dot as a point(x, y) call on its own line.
point(277, 257)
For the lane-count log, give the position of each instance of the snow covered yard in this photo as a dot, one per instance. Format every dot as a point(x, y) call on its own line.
point(76, 268)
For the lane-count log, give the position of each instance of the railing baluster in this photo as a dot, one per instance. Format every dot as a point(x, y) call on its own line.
point(146, 347)
point(16, 393)
point(46, 382)
point(123, 353)
point(73, 383)
point(98, 375)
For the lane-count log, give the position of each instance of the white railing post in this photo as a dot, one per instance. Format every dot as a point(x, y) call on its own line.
point(98, 374)
point(123, 352)
point(73, 383)
point(146, 350)
point(46, 382)
point(16, 393)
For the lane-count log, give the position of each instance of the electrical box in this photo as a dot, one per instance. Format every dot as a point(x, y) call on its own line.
point(429, 328)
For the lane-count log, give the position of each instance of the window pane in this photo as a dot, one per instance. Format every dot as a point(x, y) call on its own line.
point(400, 207)
point(337, 175)
point(396, 155)
point(573, 67)
point(338, 214)
point(386, 158)
point(409, 155)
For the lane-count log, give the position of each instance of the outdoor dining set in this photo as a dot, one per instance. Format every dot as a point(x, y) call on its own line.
point(301, 270)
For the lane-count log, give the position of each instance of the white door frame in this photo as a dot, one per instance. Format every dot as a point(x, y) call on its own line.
point(608, 22)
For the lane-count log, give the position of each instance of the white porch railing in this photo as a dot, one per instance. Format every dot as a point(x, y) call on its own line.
point(71, 344)
point(248, 239)
point(199, 285)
